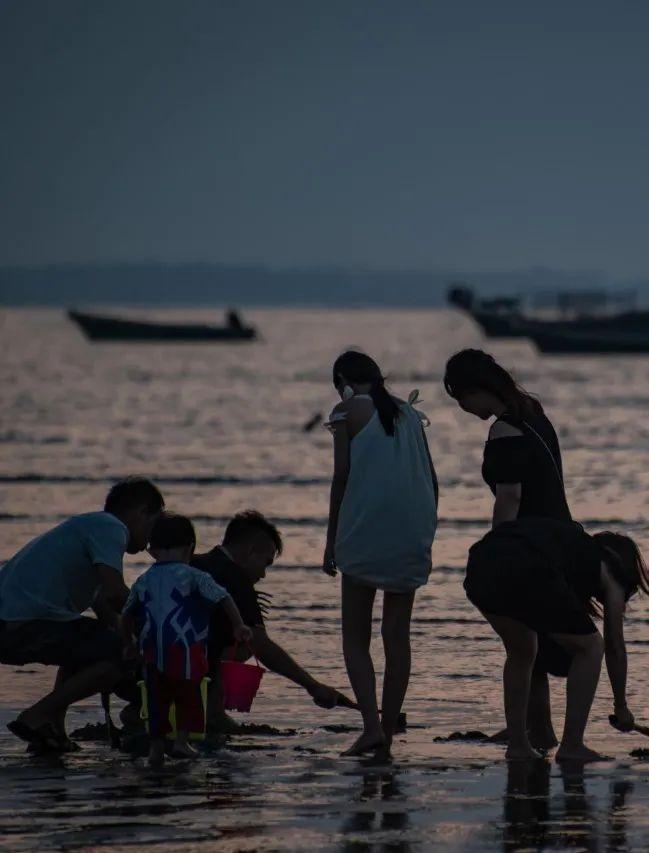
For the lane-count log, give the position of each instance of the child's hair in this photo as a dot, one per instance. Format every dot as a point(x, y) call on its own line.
point(623, 557)
point(172, 531)
point(475, 370)
point(248, 524)
point(133, 492)
point(363, 370)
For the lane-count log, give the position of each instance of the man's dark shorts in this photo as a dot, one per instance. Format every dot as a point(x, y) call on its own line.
point(75, 644)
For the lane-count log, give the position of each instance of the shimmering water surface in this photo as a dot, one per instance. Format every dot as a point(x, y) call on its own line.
point(220, 429)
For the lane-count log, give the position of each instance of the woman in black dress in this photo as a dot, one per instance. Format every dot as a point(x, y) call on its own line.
point(540, 577)
point(522, 467)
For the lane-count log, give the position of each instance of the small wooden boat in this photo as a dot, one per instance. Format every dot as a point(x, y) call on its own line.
point(98, 328)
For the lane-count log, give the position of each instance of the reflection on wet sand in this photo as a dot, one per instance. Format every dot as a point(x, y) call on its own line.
point(381, 815)
point(534, 819)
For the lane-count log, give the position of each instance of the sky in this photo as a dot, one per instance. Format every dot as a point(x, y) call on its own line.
point(410, 134)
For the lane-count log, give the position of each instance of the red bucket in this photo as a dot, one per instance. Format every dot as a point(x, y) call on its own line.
point(240, 683)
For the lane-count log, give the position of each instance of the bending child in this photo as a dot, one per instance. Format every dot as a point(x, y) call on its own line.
point(169, 609)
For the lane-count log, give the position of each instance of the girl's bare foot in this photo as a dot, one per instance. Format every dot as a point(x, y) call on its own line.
point(543, 740)
point(580, 754)
point(367, 742)
point(524, 752)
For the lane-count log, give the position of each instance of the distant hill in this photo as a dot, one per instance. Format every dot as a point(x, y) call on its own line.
point(196, 283)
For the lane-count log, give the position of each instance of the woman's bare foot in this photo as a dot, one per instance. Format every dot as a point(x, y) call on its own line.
point(523, 752)
point(580, 753)
point(367, 742)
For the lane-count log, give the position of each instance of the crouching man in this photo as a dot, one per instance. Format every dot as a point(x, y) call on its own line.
point(46, 587)
point(249, 548)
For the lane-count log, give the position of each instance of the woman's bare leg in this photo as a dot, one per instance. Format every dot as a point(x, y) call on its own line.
point(357, 604)
point(395, 629)
point(520, 645)
point(587, 651)
point(539, 715)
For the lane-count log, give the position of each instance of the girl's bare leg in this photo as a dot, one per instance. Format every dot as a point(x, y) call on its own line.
point(587, 651)
point(539, 713)
point(357, 604)
point(395, 629)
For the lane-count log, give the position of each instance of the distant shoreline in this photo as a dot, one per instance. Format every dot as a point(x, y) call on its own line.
point(186, 284)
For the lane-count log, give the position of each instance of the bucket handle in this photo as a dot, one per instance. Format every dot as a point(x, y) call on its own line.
point(250, 649)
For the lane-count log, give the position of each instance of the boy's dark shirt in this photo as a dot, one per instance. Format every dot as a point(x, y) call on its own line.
point(226, 573)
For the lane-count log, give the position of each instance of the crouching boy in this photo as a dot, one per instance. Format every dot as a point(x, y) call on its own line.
point(169, 610)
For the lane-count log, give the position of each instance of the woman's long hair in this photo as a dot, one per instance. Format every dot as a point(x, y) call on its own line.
point(475, 370)
point(623, 557)
point(360, 369)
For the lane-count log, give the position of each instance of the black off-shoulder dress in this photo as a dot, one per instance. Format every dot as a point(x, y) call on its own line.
point(539, 571)
point(532, 459)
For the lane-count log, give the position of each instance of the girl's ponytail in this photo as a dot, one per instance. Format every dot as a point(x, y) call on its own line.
point(385, 405)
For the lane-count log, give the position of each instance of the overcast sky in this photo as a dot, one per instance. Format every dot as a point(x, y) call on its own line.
point(464, 134)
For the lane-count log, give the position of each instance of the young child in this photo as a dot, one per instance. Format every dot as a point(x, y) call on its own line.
point(169, 609)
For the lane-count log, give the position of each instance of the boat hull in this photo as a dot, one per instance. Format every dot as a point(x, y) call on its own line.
point(98, 328)
point(571, 342)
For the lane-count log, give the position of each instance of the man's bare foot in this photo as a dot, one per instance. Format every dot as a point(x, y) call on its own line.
point(367, 742)
point(581, 754)
point(522, 753)
point(183, 750)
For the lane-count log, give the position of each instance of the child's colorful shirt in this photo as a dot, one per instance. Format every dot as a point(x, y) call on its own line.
point(171, 605)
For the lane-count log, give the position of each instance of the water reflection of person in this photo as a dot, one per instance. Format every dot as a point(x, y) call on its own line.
point(377, 788)
point(526, 805)
point(534, 820)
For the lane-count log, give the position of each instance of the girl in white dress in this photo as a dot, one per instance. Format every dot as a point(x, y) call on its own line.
point(382, 519)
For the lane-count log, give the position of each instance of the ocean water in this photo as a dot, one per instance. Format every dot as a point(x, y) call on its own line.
point(219, 428)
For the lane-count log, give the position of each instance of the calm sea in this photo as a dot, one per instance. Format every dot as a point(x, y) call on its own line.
point(219, 428)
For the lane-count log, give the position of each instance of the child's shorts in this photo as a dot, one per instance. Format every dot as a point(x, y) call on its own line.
point(171, 700)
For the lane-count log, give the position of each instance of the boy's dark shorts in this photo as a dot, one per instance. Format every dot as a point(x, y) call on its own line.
point(75, 644)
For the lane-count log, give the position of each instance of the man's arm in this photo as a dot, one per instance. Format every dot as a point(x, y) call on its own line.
point(112, 592)
point(106, 614)
point(273, 656)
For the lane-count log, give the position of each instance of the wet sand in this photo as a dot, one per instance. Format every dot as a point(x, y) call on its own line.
point(295, 793)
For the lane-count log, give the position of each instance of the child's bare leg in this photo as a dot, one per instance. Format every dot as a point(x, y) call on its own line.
point(182, 747)
point(156, 752)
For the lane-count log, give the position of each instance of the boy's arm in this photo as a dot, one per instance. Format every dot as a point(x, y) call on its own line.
point(242, 633)
point(126, 625)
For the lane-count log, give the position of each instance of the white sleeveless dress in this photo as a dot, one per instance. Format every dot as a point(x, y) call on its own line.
point(388, 515)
